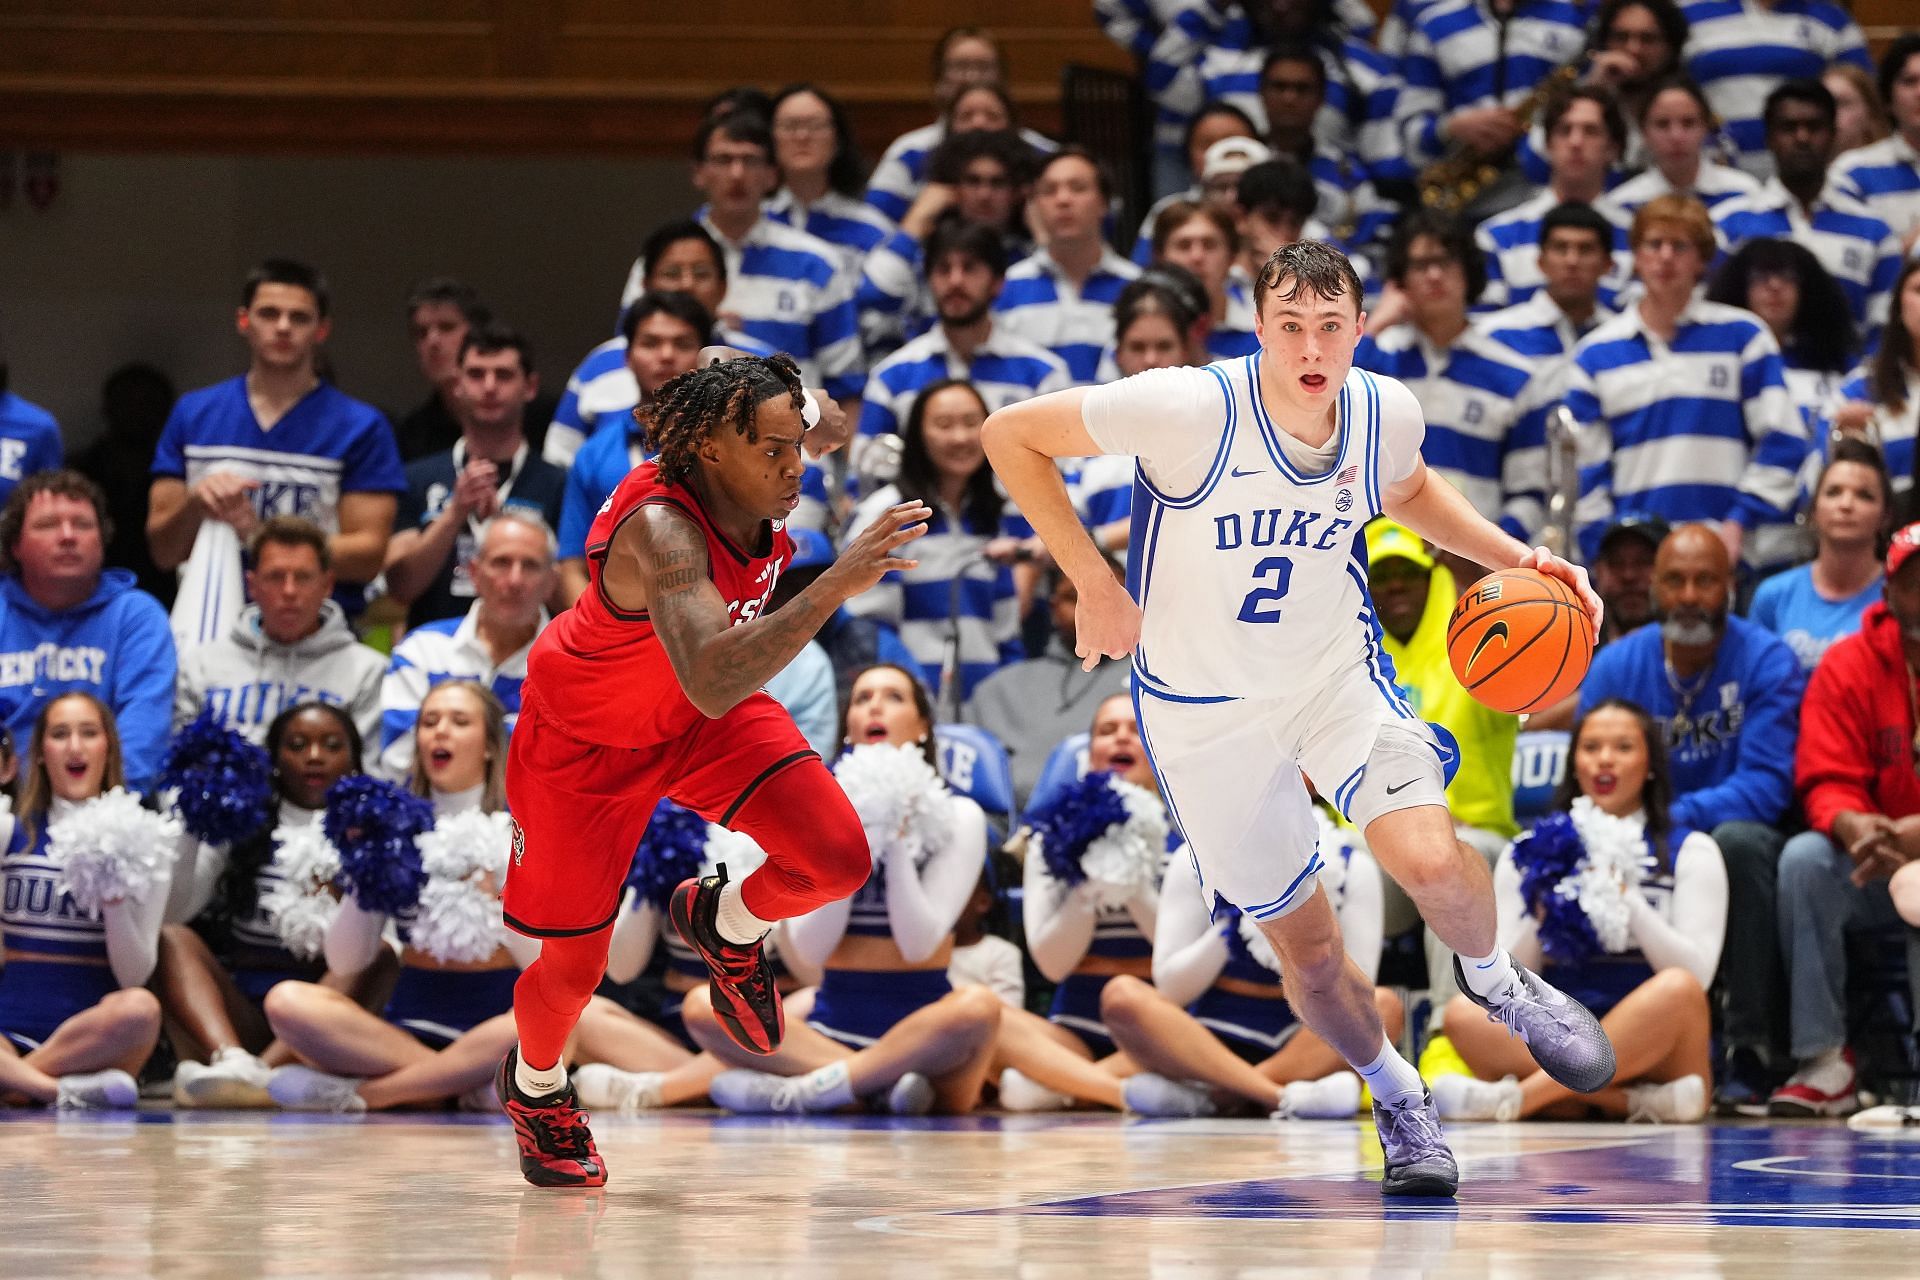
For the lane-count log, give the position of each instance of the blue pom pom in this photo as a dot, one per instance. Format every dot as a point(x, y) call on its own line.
point(672, 851)
point(1074, 819)
point(373, 823)
point(1546, 856)
point(225, 782)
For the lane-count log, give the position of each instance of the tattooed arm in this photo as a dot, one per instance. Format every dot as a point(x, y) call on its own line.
point(657, 561)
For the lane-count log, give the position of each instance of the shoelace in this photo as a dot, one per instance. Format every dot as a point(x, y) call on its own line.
point(743, 966)
point(562, 1131)
point(1414, 1127)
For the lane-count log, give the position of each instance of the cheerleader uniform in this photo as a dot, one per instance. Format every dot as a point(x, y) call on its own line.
point(1061, 939)
point(260, 959)
point(855, 1007)
point(39, 919)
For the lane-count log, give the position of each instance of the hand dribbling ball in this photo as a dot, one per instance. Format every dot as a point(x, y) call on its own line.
point(1519, 641)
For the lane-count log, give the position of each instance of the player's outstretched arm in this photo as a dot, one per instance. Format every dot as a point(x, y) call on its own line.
point(1427, 504)
point(1022, 441)
point(657, 562)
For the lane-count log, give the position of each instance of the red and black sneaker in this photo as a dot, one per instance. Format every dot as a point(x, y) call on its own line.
point(745, 998)
point(556, 1147)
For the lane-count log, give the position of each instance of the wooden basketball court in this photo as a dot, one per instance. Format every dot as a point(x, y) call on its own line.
point(697, 1195)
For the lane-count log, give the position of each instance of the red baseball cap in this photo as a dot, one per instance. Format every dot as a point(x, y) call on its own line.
point(1904, 544)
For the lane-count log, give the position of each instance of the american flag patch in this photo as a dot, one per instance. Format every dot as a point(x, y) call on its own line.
point(1347, 476)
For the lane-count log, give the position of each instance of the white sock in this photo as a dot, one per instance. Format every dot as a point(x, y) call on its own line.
point(1391, 1077)
point(538, 1082)
point(1489, 976)
point(735, 923)
point(828, 1088)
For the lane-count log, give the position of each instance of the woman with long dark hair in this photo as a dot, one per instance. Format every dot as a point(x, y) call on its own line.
point(821, 177)
point(1624, 911)
point(963, 586)
point(1881, 401)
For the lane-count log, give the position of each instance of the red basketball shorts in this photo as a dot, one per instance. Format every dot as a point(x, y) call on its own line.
point(579, 809)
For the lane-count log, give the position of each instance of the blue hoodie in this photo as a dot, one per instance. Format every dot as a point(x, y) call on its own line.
point(1731, 756)
point(115, 645)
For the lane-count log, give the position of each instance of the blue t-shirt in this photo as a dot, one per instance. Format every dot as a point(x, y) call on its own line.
point(29, 441)
point(535, 485)
point(1787, 605)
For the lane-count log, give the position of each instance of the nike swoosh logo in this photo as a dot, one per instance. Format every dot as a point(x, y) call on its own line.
point(1238, 474)
point(1497, 629)
point(1402, 787)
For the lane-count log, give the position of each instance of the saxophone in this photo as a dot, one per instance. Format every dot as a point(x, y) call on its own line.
point(1453, 181)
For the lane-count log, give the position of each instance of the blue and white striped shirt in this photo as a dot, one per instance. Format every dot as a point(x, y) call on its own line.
point(1471, 394)
point(1697, 429)
point(1894, 432)
point(1005, 369)
point(1511, 243)
point(850, 225)
point(1885, 176)
point(1740, 51)
point(1040, 304)
point(1713, 186)
point(902, 171)
point(433, 652)
point(951, 588)
point(1857, 249)
point(1454, 61)
point(602, 388)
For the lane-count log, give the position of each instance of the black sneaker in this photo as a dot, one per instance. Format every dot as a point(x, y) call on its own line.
point(1743, 1085)
point(745, 998)
point(556, 1147)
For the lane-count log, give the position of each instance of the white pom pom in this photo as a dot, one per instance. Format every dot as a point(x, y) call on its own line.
point(109, 849)
point(458, 920)
point(1128, 856)
point(301, 906)
point(901, 800)
point(736, 849)
point(1257, 945)
point(1615, 864)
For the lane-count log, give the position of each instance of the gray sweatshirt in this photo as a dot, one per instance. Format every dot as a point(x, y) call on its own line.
point(248, 679)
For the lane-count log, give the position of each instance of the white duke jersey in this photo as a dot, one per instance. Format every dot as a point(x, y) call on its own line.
point(1246, 553)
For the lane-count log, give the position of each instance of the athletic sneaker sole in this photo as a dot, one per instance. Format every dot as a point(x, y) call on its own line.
point(680, 912)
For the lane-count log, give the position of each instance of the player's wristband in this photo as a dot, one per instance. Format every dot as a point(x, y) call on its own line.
point(809, 409)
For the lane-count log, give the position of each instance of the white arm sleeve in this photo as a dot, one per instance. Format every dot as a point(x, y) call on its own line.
point(197, 870)
point(1363, 913)
point(1188, 949)
point(1170, 419)
point(353, 939)
point(1058, 919)
point(1518, 932)
point(634, 934)
point(923, 903)
point(1403, 429)
point(1692, 940)
point(133, 935)
point(806, 973)
point(814, 935)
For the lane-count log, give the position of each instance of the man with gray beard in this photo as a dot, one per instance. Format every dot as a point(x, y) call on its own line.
point(1727, 693)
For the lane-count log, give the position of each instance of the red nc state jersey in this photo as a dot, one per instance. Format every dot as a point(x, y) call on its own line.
point(599, 671)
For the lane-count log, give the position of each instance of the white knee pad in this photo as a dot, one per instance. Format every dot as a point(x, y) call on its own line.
point(1403, 771)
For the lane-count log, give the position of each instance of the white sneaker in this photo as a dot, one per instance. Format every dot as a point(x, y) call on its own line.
point(1888, 1119)
point(1147, 1094)
point(1682, 1101)
point(607, 1088)
point(297, 1088)
point(234, 1079)
point(912, 1095)
point(1334, 1097)
point(1465, 1098)
point(1018, 1093)
point(110, 1090)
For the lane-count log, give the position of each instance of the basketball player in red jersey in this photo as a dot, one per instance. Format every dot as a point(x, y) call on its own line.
point(650, 686)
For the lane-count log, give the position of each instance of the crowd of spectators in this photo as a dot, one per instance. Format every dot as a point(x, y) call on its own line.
point(1651, 269)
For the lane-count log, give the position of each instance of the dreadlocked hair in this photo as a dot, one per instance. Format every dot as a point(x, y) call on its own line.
point(690, 407)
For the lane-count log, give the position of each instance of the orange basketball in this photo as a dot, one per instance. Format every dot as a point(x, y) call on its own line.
point(1519, 641)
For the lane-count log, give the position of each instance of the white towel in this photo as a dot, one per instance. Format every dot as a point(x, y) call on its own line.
point(212, 589)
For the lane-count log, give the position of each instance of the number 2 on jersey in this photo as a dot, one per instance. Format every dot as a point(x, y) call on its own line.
point(1263, 603)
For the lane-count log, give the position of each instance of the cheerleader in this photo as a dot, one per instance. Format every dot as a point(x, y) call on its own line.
point(251, 929)
point(448, 1023)
point(1628, 912)
point(76, 1025)
point(885, 1022)
point(1216, 1021)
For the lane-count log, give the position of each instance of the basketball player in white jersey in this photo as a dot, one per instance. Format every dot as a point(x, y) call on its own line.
point(1256, 658)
